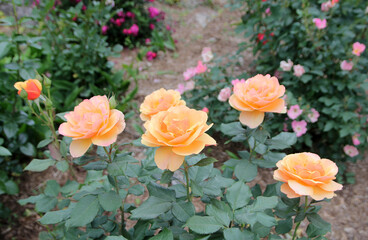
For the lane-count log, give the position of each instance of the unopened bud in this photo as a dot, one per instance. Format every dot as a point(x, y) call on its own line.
point(23, 94)
point(48, 104)
point(46, 81)
point(112, 102)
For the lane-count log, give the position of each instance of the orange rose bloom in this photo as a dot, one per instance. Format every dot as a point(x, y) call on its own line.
point(160, 100)
point(256, 96)
point(178, 132)
point(92, 121)
point(306, 174)
point(33, 87)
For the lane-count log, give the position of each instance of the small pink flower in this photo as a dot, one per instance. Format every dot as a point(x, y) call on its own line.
point(207, 55)
point(185, 87)
point(168, 28)
point(294, 111)
point(351, 151)
point(320, 23)
point(268, 11)
point(134, 29)
point(148, 41)
point(119, 21)
point(205, 110)
point(224, 94)
point(355, 139)
point(358, 48)
point(286, 66)
point(236, 81)
point(298, 70)
point(130, 15)
point(346, 66)
point(325, 7)
point(151, 55)
point(104, 29)
point(112, 20)
point(299, 127)
point(84, 8)
point(153, 12)
point(201, 68)
point(121, 14)
point(152, 26)
point(189, 73)
point(181, 88)
point(313, 116)
point(285, 129)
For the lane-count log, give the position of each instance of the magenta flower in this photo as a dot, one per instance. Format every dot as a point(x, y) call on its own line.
point(134, 29)
point(294, 111)
point(320, 23)
point(346, 66)
point(104, 29)
point(153, 12)
point(189, 73)
point(351, 151)
point(152, 26)
point(148, 41)
point(358, 48)
point(151, 55)
point(224, 94)
point(205, 110)
point(314, 115)
point(299, 127)
point(201, 68)
point(121, 14)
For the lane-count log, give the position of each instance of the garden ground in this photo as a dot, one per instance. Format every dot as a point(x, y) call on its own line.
point(197, 26)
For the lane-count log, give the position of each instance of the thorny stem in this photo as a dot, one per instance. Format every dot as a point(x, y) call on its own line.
point(186, 167)
point(298, 224)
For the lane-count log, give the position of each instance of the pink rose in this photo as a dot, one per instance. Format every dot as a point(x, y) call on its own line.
point(320, 23)
point(325, 7)
point(358, 48)
point(298, 70)
point(153, 12)
point(134, 29)
point(346, 66)
point(205, 110)
point(201, 68)
point(189, 73)
point(152, 26)
point(185, 87)
point(224, 94)
point(314, 115)
point(355, 139)
point(299, 127)
point(286, 66)
point(148, 41)
point(151, 55)
point(351, 151)
point(207, 55)
point(268, 11)
point(294, 111)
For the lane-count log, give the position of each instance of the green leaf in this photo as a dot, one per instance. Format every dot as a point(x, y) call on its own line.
point(4, 151)
point(115, 238)
point(4, 49)
point(161, 192)
point(136, 190)
point(205, 162)
point(265, 219)
point(232, 129)
point(28, 149)
point(39, 165)
point(98, 165)
point(52, 188)
point(45, 203)
point(220, 215)
point(282, 141)
point(238, 195)
point(166, 177)
point(151, 208)
point(246, 171)
point(203, 225)
point(10, 129)
point(165, 234)
point(11, 187)
point(262, 203)
point(53, 217)
point(236, 234)
point(284, 226)
point(117, 168)
point(62, 165)
point(44, 142)
point(84, 212)
point(183, 210)
point(110, 201)
point(317, 221)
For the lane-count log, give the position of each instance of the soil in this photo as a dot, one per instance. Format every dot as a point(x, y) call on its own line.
point(196, 25)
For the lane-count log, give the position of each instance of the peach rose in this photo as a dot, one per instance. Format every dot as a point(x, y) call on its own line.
point(33, 87)
point(256, 96)
point(306, 174)
point(178, 132)
point(92, 121)
point(160, 100)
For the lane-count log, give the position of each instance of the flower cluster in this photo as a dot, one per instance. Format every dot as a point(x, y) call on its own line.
point(287, 66)
point(175, 129)
point(300, 127)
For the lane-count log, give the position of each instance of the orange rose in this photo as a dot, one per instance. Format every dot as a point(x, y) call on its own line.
point(160, 100)
point(92, 121)
point(178, 132)
point(306, 174)
point(256, 96)
point(33, 87)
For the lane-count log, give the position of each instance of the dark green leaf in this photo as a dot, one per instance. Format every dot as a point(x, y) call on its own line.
point(84, 212)
point(39, 165)
point(52, 188)
point(165, 234)
point(236, 234)
point(205, 162)
point(203, 225)
point(245, 170)
point(151, 208)
point(183, 210)
point(110, 201)
point(161, 192)
point(282, 141)
point(238, 195)
point(4, 151)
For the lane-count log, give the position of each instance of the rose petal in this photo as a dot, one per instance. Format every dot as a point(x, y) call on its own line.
point(300, 188)
point(288, 191)
point(79, 147)
point(165, 158)
point(251, 119)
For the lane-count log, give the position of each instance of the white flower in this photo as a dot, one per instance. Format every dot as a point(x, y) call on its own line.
point(286, 66)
